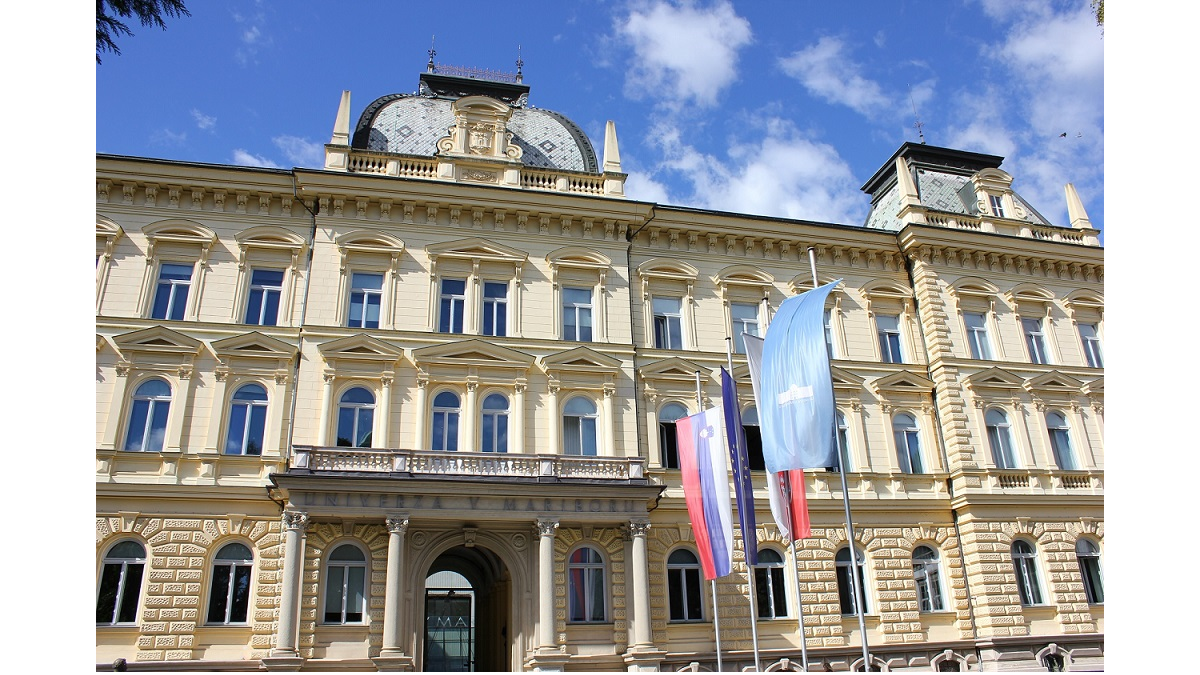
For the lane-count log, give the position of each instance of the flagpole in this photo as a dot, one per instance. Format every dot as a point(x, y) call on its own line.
point(787, 494)
point(745, 546)
point(785, 483)
point(712, 583)
point(858, 590)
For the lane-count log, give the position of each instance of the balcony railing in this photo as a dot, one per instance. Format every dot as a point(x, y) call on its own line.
point(1033, 481)
point(419, 463)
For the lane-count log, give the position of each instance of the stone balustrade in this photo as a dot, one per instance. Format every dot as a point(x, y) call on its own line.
point(419, 463)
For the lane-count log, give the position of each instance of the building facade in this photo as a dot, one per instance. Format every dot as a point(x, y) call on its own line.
point(415, 410)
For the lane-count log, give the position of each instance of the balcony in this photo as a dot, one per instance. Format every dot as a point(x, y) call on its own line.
point(467, 465)
point(1054, 482)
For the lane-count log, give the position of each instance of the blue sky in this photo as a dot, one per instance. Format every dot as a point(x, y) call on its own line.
point(778, 108)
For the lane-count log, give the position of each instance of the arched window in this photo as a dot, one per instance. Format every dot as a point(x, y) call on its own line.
point(843, 444)
point(908, 443)
point(120, 584)
point(495, 424)
point(683, 586)
point(247, 421)
point(1024, 559)
point(1088, 556)
point(1060, 440)
point(927, 574)
point(148, 416)
point(846, 583)
point(585, 587)
point(754, 446)
point(579, 427)
point(667, 440)
point(999, 434)
point(345, 585)
point(445, 421)
point(356, 415)
point(229, 597)
point(769, 585)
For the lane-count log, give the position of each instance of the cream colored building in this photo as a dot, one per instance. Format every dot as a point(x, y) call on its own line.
point(406, 412)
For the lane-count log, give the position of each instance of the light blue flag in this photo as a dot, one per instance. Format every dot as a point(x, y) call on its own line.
point(797, 412)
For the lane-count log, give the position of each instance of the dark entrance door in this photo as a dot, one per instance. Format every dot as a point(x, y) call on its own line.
point(449, 630)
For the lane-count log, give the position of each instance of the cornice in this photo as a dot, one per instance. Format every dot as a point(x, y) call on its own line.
point(1023, 262)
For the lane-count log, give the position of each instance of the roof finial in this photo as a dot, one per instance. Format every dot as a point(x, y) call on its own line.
point(432, 53)
point(520, 64)
point(918, 124)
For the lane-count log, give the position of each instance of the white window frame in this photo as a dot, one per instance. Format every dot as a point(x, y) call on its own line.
point(176, 242)
point(1025, 567)
point(497, 414)
point(251, 406)
point(233, 565)
point(1001, 434)
point(927, 575)
point(842, 575)
point(273, 248)
point(357, 407)
point(904, 452)
point(594, 416)
point(345, 566)
point(580, 268)
point(664, 432)
point(674, 279)
point(152, 402)
point(448, 414)
point(122, 579)
point(979, 343)
point(266, 291)
point(173, 286)
point(495, 307)
point(686, 574)
point(1057, 451)
point(739, 326)
point(1089, 572)
point(770, 580)
point(1033, 329)
point(891, 342)
point(996, 202)
point(1093, 355)
point(590, 569)
point(666, 319)
point(577, 309)
point(367, 294)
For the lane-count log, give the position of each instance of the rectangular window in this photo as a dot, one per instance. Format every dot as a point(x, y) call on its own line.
point(262, 305)
point(453, 301)
point(1035, 340)
point(495, 308)
point(170, 298)
point(997, 205)
point(888, 326)
point(1091, 345)
point(366, 296)
point(977, 335)
point(577, 314)
point(668, 323)
point(828, 323)
point(745, 320)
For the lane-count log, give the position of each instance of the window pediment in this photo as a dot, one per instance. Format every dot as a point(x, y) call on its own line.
point(365, 241)
point(270, 238)
point(973, 287)
point(157, 340)
point(844, 381)
point(360, 348)
point(1054, 382)
point(581, 360)
point(578, 257)
point(887, 290)
point(994, 378)
point(674, 370)
point(472, 353)
point(743, 275)
point(1094, 388)
point(253, 345)
point(1028, 296)
point(476, 248)
point(902, 383)
point(108, 228)
point(180, 232)
point(803, 282)
point(663, 268)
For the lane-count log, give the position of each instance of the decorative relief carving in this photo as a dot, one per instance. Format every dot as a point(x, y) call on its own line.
point(127, 190)
point(240, 200)
point(587, 228)
point(477, 218)
point(295, 520)
point(544, 224)
point(520, 541)
point(264, 203)
point(455, 212)
point(419, 539)
point(360, 206)
point(479, 175)
point(545, 527)
point(639, 528)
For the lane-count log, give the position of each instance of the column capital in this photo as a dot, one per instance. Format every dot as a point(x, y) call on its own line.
point(295, 520)
point(397, 523)
point(545, 527)
point(639, 527)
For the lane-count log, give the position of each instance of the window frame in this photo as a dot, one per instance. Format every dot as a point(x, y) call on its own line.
point(575, 310)
point(346, 566)
point(1093, 353)
point(252, 288)
point(1091, 574)
point(251, 405)
point(683, 575)
point(656, 315)
point(134, 399)
point(1059, 437)
point(842, 436)
point(498, 308)
point(905, 454)
point(353, 289)
point(590, 569)
point(234, 564)
point(446, 314)
point(499, 415)
point(843, 579)
point(1001, 433)
point(770, 583)
point(927, 576)
point(1033, 329)
point(474, 261)
point(891, 341)
point(450, 416)
point(755, 460)
point(121, 593)
point(357, 407)
point(176, 242)
point(674, 279)
point(978, 338)
point(1025, 568)
point(739, 342)
point(595, 427)
point(668, 442)
point(188, 295)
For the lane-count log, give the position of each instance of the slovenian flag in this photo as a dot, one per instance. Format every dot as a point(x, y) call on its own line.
point(704, 465)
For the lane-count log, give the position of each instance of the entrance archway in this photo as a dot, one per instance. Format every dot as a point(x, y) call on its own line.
point(468, 595)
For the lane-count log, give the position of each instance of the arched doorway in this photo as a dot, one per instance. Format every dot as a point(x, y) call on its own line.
point(467, 601)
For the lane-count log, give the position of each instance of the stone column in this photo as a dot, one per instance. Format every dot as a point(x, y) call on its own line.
point(422, 413)
point(326, 404)
point(555, 444)
point(641, 585)
point(545, 530)
point(285, 655)
point(396, 525)
point(380, 440)
point(516, 423)
point(470, 411)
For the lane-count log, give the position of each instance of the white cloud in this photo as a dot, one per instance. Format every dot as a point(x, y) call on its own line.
point(782, 173)
point(243, 158)
point(251, 35)
point(827, 71)
point(682, 53)
point(168, 137)
point(301, 151)
point(642, 187)
point(203, 121)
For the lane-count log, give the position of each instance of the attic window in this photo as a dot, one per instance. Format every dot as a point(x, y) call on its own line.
point(997, 205)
